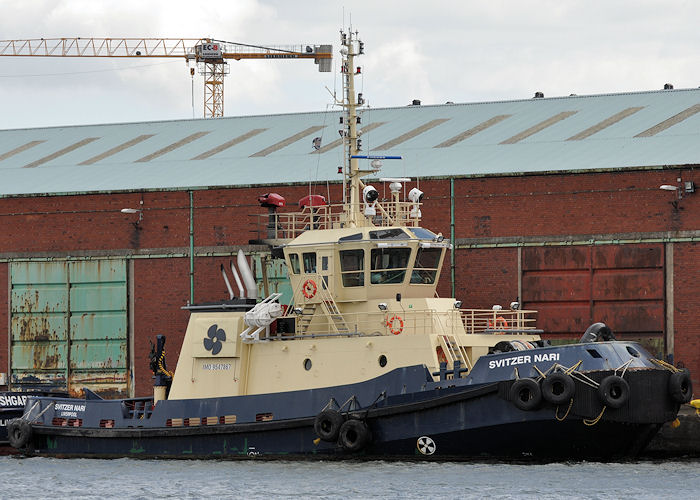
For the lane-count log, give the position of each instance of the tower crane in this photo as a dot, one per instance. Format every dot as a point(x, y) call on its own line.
point(209, 54)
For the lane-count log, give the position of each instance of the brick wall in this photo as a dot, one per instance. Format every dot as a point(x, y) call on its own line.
point(559, 206)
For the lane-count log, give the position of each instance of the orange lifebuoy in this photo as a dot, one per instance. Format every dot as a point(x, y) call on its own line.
point(390, 324)
point(309, 288)
point(442, 358)
point(500, 323)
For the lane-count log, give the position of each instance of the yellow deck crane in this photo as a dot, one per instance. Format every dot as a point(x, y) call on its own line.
point(210, 56)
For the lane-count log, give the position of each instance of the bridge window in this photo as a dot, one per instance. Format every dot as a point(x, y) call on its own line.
point(309, 263)
point(352, 266)
point(426, 266)
point(294, 263)
point(389, 265)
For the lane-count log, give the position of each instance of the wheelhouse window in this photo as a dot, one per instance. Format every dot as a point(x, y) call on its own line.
point(309, 262)
point(352, 267)
point(294, 263)
point(389, 265)
point(426, 266)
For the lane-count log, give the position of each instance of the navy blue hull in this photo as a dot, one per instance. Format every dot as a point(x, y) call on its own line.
point(403, 414)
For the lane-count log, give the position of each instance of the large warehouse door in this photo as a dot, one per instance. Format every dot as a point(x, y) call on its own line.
point(69, 326)
point(620, 285)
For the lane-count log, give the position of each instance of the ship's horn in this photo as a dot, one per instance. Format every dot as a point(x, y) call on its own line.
point(241, 291)
point(247, 275)
point(228, 284)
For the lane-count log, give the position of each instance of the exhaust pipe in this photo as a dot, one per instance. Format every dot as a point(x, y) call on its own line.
point(247, 275)
point(241, 291)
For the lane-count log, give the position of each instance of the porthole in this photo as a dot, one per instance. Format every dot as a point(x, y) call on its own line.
point(382, 361)
point(307, 364)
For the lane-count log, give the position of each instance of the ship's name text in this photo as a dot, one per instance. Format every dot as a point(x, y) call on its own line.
point(524, 359)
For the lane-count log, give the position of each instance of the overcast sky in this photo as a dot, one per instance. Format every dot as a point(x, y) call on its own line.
point(435, 51)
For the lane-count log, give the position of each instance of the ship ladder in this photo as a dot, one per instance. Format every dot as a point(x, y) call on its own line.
point(337, 320)
point(455, 350)
point(306, 316)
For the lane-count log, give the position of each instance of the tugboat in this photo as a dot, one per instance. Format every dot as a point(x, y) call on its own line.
point(367, 361)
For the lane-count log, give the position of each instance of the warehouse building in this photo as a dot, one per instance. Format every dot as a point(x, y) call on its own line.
point(106, 231)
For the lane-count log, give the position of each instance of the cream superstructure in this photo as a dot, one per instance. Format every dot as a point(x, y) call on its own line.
point(364, 276)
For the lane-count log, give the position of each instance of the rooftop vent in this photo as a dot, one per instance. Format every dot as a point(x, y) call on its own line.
point(416, 102)
point(539, 95)
point(668, 86)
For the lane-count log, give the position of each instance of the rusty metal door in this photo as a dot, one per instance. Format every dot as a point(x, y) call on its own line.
point(69, 326)
point(621, 285)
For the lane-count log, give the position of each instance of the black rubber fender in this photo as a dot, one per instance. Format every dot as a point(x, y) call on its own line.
point(558, 388)
point(19, 432)
point(327, 425)
point(354, 435)
point(614, 391)
point(680, 386)
point(526, 394)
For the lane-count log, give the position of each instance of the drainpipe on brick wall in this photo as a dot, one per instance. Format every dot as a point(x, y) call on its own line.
point(191, 249)
point(452, 234)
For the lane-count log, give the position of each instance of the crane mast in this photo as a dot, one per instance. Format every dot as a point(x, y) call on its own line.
point(209, 54)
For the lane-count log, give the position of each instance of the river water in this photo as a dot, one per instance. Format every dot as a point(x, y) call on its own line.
point(147, 479)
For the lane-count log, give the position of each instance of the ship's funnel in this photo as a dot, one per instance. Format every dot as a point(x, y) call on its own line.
point(247, 276)
point(241, 291)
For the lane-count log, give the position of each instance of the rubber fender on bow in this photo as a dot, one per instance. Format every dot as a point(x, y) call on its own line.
point(680, 386)
point(354, 435)
point(327, 424)
point(526, 394)
point(614, 391)
point(558, 388)
point(19, 432)
point(597, 331)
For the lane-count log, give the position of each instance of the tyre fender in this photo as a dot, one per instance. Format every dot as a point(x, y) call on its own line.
point(558, 388)
point(526, 394)
point(680, 386)
point(327, 424)
point(354, 435)
point(614, 391)
point(19, 432)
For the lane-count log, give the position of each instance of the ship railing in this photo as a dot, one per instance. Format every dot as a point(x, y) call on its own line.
point(289, 225)
point(490, 321)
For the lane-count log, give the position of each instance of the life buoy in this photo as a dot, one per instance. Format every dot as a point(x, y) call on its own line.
point(327, 424)
point(442, 358)
point(680, 386)
point(19, 432)
point(614, 391)
point(558, 388)
point(526, 394)
point(354, 435)
point(390, 323)
point(309, 289)
point(499, 323)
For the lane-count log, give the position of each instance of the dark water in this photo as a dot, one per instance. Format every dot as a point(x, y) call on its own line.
point(148, 479)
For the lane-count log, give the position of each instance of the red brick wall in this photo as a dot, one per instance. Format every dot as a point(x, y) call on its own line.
point(556, 205)
point(686, 300)
point(4, 302)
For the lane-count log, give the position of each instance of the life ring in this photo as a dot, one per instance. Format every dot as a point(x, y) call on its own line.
point(614, 391)
point(354, 435)
point(499, 323)
point(19, 432)
point(442, 358)
point(558, 388)
point(309, 289)
point(390, 324)
point(526, 394)
point(680, 386)
point(327, 424)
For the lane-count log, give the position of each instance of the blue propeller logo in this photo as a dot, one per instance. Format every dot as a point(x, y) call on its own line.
point(215, 336)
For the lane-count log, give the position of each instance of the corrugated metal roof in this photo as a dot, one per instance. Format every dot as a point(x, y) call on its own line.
point(640, 129)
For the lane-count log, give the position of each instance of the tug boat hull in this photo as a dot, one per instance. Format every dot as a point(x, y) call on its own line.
point(405, 416)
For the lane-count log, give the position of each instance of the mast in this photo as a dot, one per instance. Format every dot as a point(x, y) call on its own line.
point(350, 48)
